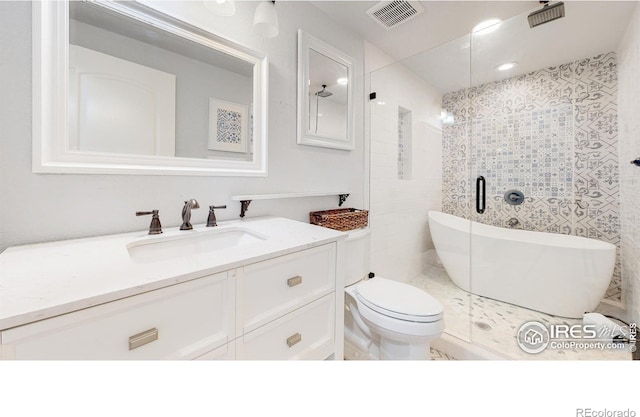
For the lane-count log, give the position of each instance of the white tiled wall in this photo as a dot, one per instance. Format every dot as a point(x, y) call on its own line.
point(398, 217)
point(629, 147)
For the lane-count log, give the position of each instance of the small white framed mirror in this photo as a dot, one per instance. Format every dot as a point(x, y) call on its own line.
point(121, 88)
point(325, 95)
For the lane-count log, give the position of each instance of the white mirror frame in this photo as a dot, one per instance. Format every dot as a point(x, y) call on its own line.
point(307, 42)
point(51, 153)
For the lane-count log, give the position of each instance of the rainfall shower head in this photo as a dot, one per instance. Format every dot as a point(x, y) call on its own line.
point(324, 93)
point(546, 14)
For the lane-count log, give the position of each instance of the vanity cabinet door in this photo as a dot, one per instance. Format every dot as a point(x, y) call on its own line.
point(306, 333)
point(183, 321)
point(269, 289)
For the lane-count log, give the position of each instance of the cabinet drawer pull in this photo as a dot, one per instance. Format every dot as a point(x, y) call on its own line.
point(292, 340)
point(292, 282)
point(143, 338)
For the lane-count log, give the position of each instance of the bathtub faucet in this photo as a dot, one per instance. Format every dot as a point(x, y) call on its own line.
point(513, 222)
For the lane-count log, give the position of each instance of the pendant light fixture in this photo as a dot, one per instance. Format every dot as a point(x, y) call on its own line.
point(265, 19)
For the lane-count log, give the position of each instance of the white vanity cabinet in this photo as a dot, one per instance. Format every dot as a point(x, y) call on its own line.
point(286, 306)
point(278, 308)
point(182, 321)
point(306, 333)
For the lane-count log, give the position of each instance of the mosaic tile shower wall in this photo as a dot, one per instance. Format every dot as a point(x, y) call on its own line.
point(551, 134)
point(529, 151)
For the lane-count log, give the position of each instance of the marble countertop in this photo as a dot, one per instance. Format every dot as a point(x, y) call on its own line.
point(48, 279)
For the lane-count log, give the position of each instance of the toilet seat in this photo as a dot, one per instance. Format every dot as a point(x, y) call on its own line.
point(398, 301)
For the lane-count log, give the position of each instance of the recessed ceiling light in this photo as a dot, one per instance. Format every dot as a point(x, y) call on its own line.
point(486, 26)
point(507, 66)
point(342, 81)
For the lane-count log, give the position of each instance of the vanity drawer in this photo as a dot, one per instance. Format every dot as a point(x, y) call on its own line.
point(178, 322)
point(267, 290)
point(306, 333)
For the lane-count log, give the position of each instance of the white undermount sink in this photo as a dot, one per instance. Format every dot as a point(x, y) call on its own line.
point(192, 242)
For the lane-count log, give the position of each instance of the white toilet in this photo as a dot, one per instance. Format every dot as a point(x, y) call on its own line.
point(385, 319)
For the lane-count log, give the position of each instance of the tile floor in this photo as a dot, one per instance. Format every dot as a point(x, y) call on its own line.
point(493, 324)
point(436, 355)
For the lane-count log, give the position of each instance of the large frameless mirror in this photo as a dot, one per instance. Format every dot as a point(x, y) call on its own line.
point(125, 89)
point(325, 99)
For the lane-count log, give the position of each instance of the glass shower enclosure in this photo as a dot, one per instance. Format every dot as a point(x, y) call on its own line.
point(499, 152)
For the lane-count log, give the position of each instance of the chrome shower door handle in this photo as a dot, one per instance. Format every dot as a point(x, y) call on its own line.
point(481, 188)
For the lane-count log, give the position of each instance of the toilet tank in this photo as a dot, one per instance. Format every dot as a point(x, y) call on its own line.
point(358, 255)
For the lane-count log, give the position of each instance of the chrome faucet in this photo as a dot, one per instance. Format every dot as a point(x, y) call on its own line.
point(186, 213)
point(513, 222)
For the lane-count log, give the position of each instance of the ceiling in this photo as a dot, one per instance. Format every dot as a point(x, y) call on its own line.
point(436, 44)
point(441, 22)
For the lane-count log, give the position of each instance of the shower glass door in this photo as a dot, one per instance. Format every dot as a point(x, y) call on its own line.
point(417, 120)
point(504, 132)
point(542, 153)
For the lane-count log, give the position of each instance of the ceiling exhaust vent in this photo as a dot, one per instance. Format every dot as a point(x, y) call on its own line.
point(390, 14)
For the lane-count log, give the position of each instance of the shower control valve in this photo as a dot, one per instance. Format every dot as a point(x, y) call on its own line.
point(514, 197)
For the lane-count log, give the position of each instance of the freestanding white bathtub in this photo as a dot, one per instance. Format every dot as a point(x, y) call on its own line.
point(556, 274)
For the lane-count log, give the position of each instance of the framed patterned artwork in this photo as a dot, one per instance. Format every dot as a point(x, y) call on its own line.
point(228, 126)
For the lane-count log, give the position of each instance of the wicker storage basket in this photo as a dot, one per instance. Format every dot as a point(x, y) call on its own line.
point(340, 219)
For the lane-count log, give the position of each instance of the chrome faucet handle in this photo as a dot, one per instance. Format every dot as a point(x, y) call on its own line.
point(186, 213)
point(155, 228)
point(211, 220)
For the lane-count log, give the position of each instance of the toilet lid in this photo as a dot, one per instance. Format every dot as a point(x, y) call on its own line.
point(399, 300)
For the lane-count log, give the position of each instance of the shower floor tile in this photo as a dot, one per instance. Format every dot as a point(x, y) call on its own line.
point(436, 355)
point(494, 324)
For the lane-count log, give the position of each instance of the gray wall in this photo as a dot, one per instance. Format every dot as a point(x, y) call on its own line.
point(45, 207)
point(196, 82)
